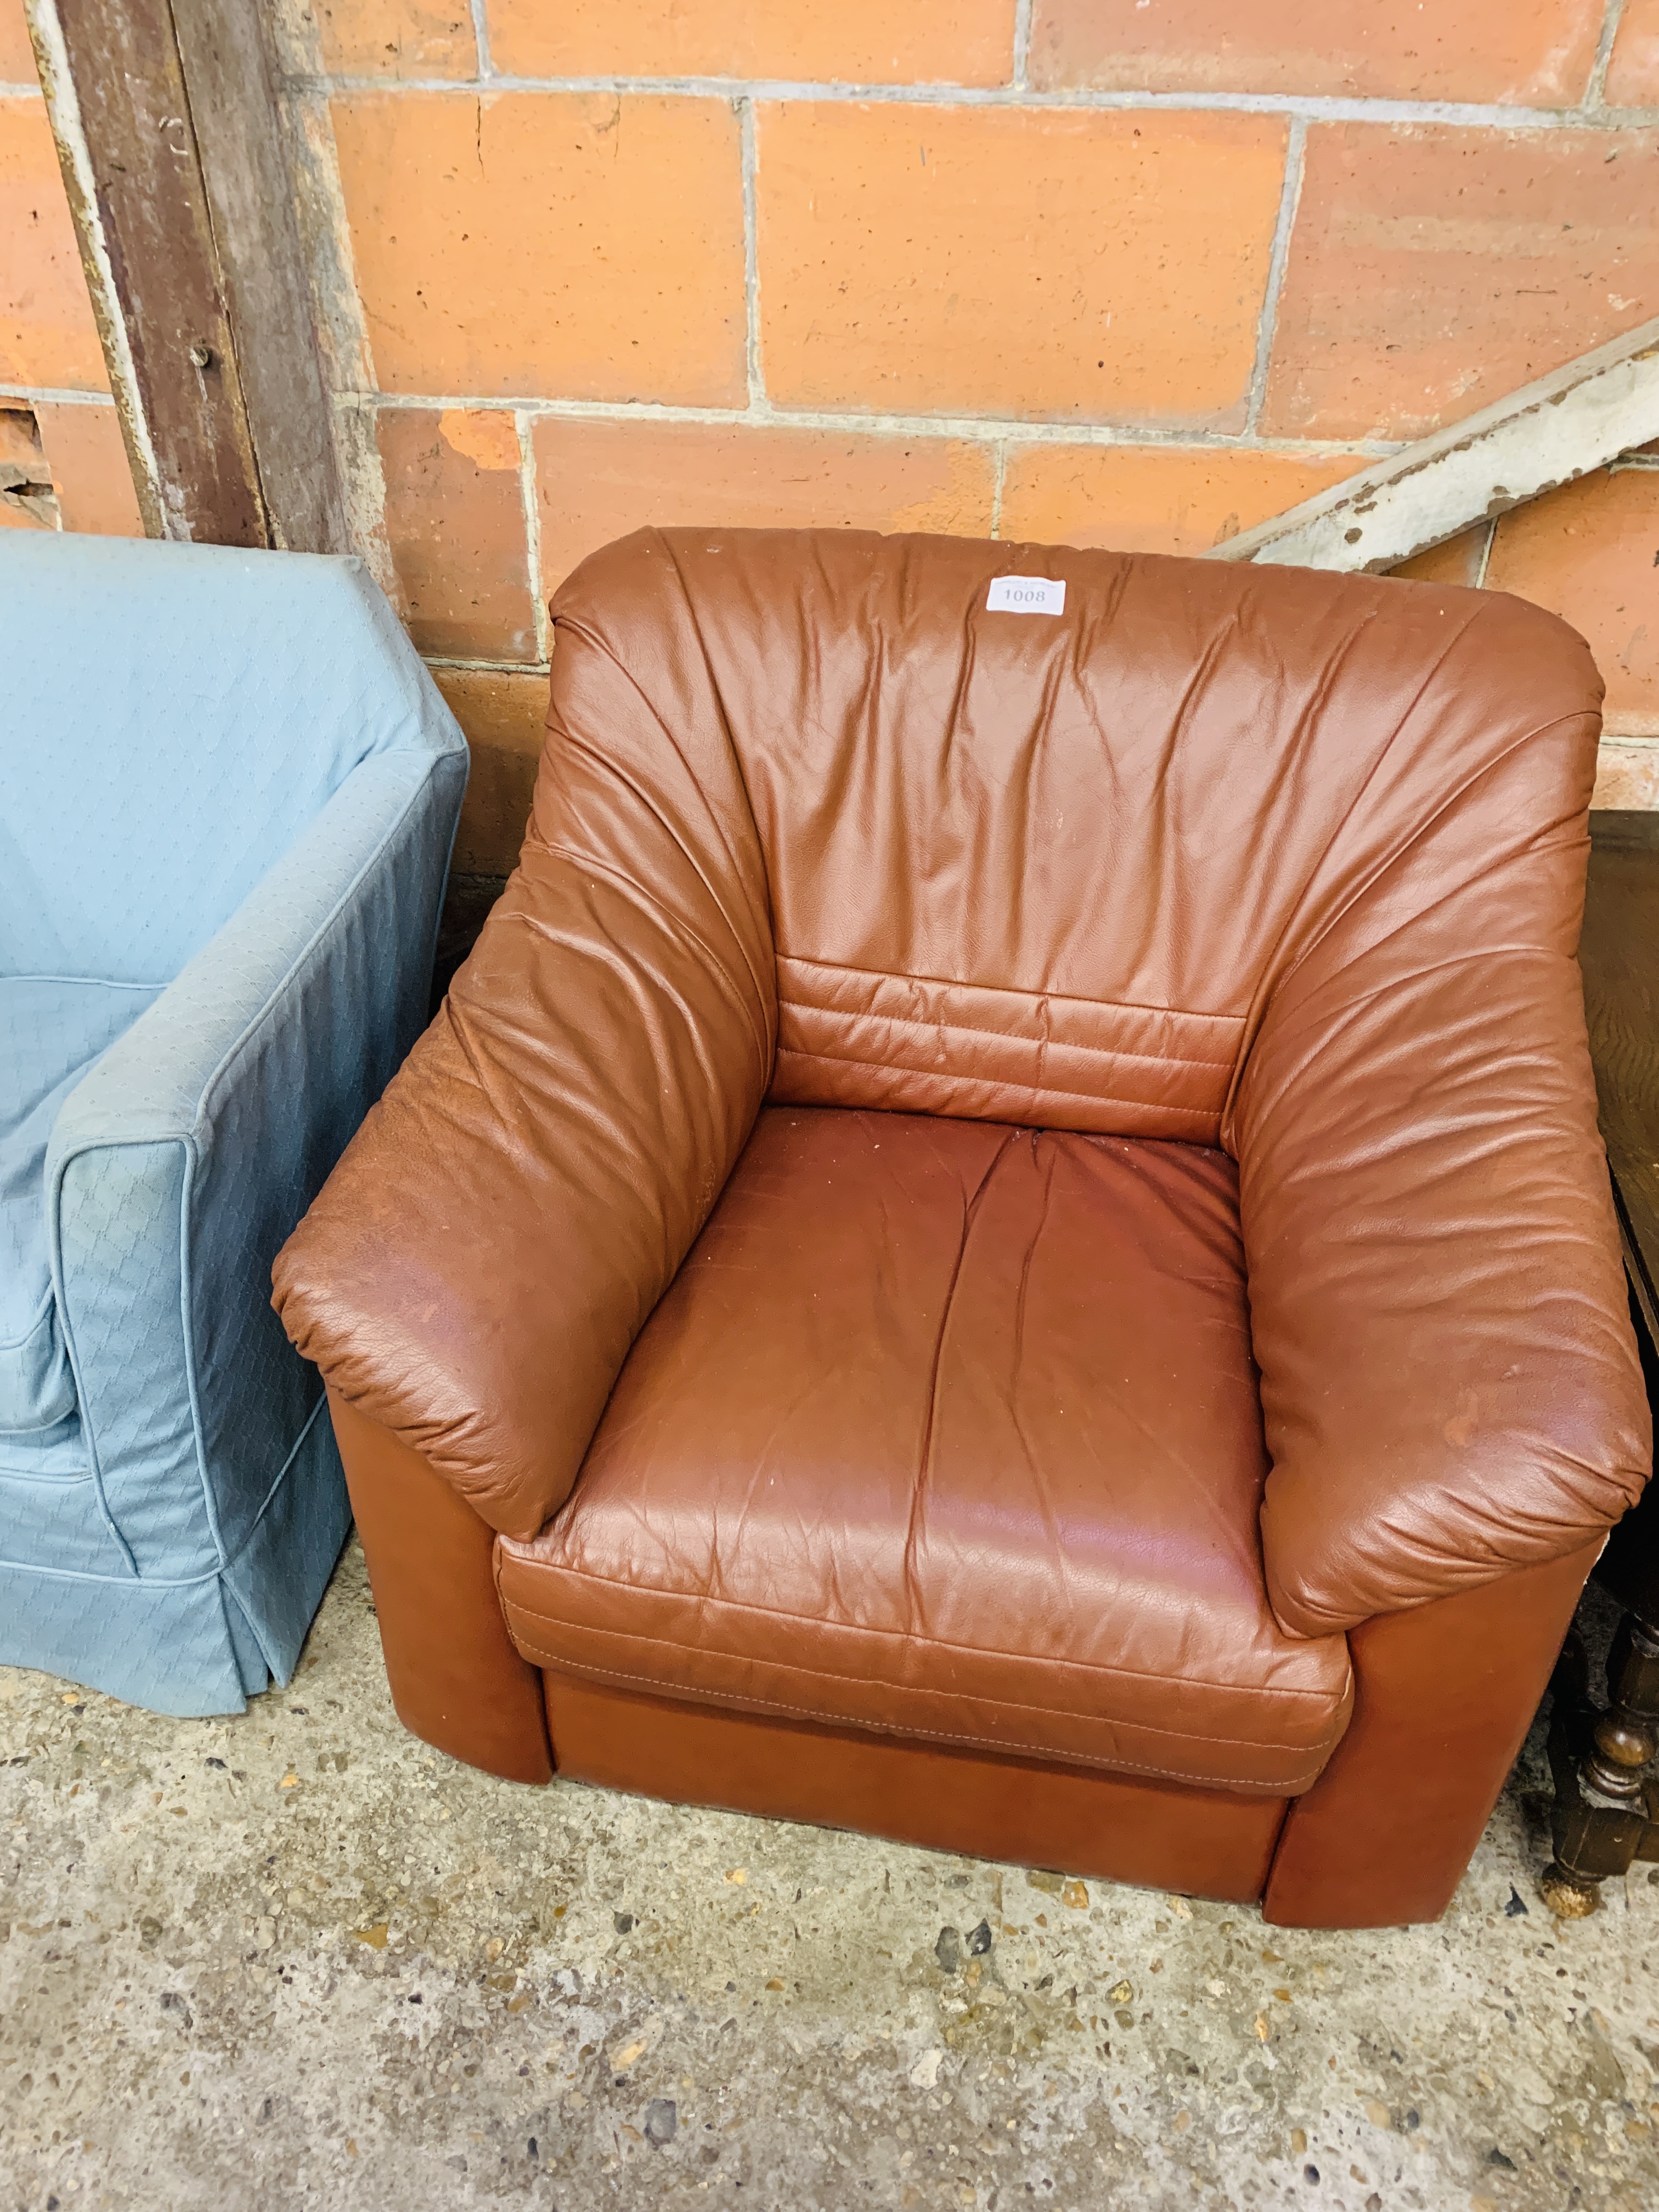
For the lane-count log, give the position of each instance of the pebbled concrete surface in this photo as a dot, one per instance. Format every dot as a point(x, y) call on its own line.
point(295, 1959)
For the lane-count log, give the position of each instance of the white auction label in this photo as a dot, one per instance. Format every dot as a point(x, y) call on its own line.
point(1026, 595)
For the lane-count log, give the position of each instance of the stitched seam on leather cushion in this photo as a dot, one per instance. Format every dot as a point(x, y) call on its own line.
point(996, 1036)
point(1207, 1113)
point(934, 1642)
point(969, 1650)
point(934, 1735)
point(1012, 991)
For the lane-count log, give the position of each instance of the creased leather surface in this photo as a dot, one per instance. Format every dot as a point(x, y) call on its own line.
point(812, 818)
point(500, 1228)
point(948, 1430)
point(1449, 1379)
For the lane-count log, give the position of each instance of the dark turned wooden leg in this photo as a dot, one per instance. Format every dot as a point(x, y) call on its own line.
point(1606, 1815)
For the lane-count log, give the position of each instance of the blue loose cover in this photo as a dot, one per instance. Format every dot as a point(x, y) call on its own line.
point(227, 793)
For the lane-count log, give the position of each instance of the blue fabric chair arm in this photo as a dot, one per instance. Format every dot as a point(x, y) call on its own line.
point(182, 1161)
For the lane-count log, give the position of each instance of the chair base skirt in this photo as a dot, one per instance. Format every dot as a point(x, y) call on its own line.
point(198, 1645)
point(1208, 1843)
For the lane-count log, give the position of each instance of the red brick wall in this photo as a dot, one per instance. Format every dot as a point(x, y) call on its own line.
point(1131, 272)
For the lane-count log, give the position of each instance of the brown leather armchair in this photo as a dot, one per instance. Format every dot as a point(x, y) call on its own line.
point(1004, 1239)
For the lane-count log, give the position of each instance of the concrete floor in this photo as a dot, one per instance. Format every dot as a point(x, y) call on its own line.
point(296, 1958)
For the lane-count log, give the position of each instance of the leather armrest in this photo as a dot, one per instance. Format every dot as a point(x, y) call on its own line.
point(474, 1272)
point(1449, 1384)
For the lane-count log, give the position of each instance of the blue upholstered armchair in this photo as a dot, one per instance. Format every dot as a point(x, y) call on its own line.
point(227, 793)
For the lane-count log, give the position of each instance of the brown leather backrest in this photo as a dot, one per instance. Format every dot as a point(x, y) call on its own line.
point(1050, 867)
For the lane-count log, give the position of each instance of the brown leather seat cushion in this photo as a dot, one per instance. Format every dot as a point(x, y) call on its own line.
point(948, 1429)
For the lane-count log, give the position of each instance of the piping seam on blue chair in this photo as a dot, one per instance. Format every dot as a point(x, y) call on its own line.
point(103, 983)
point(181, 1581)
point(13, 1343)
point(256, 1021)
point(282, 989)
point(201, 1122)
point(93, 1467)
point(46, 1304)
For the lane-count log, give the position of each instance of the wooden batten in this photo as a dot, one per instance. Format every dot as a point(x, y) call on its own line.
point(171, 152)
point(1567, 423)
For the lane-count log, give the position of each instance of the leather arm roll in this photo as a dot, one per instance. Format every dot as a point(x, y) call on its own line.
point(1449, 1386)
point(475, 1271)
